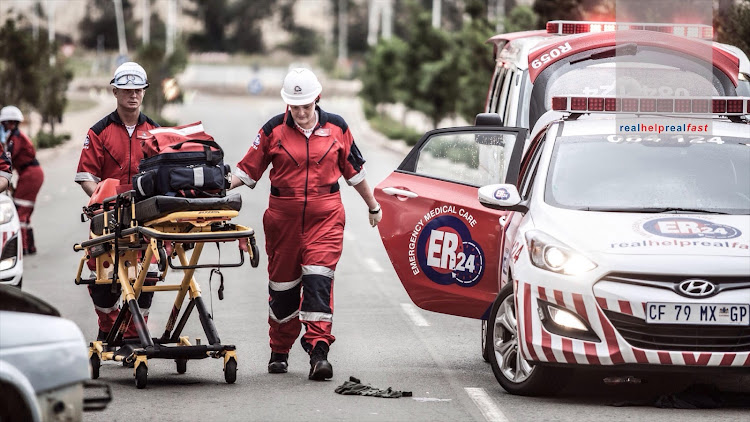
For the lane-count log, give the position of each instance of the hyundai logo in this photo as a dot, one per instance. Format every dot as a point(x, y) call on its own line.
point(697, 288)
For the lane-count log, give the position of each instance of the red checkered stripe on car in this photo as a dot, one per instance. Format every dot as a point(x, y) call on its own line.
point(539, 345)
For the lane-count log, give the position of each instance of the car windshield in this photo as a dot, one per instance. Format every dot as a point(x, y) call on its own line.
point(672, 173)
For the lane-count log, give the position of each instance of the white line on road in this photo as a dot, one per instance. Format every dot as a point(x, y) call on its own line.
point(414, 314)
point(486, 405)
point(374, 266)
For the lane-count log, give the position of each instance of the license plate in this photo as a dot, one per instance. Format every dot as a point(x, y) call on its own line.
point(697, 313)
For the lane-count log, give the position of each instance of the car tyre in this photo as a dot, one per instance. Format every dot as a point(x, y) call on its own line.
point(515, 374)
point(485, 342)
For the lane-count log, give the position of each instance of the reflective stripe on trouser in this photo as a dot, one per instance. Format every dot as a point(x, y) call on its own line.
point(27, 188)
point(301, 267)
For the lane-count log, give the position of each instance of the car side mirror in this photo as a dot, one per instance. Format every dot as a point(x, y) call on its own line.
point(502, 197)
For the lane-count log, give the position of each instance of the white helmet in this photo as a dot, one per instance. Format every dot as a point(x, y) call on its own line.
point(129, 75)
point(300, 87)
point(11, 113)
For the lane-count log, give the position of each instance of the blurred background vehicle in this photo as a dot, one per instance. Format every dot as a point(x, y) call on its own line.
point(11, 260)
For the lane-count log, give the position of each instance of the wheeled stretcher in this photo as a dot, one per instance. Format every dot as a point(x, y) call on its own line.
point(125, 238)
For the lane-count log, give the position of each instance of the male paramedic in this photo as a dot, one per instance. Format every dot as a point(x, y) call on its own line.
point(21, 151)
point(309, 150)
point(112, 150)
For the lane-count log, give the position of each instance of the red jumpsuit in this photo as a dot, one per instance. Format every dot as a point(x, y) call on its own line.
point(109, 152)
point(30, 177)
point(304, 222)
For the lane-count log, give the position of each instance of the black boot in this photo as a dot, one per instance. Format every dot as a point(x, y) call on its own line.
point(31, 247)
point(320, 368)
point(278, 363)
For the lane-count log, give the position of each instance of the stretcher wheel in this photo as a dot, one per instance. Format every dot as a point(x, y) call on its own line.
point(181, 365)
point(95, 364)
point(255, 259)
point(162, 259)
point(141, 376)
point(230, 371)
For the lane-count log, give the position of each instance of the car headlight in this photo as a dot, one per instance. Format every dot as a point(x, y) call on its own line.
point(550, 254)
point(6, 211)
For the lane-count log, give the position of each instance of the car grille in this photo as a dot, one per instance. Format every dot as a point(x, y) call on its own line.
point(670, 282)
point(680, 337)
point(10, 249)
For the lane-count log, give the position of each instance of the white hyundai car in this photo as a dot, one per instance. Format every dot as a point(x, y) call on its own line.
point(11, 258)
point(619, 238)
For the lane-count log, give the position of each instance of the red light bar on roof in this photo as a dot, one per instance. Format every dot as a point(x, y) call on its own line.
point(724, 106)
point(690, 30)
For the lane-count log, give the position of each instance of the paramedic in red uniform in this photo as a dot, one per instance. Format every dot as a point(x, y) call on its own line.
point(112, 150)
point(5, 171)
point(309, 150)
point(21, 151)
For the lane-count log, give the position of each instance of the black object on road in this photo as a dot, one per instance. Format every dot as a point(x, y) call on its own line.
point(354, 387)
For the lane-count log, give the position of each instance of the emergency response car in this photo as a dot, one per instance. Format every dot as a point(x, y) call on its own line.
point(618, 239)
point(11, 247)
point(578, 58)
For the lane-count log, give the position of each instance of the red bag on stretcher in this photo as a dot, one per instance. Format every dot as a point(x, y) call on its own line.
point(186, 138)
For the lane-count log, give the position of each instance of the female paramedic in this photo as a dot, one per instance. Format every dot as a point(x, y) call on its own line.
point(304, 223)
point(21, 151)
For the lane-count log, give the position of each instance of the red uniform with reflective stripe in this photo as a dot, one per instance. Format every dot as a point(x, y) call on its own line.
point(304, 223)
point(30, 177)
point(110, 153)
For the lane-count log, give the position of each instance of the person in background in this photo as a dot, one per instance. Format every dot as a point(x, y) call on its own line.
point(111, 150)
point(20, 150)
point(309, 150)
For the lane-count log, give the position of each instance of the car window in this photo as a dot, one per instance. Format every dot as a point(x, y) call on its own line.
point(618, 173)
point(528, 176)
point(477, 158)
point(512, 100)
point(497, 89)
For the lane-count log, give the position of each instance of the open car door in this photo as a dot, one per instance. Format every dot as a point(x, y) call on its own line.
point(443, 244)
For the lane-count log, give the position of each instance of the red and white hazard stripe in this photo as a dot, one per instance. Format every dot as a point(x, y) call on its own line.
point(540, 345)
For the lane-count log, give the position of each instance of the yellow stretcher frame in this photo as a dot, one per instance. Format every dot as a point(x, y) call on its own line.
point(125, 248)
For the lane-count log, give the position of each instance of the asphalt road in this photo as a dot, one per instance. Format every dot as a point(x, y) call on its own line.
point(382, 338)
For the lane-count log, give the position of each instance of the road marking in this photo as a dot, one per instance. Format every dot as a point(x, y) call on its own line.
point(486, 405)
point(374, 266)
point(414, 314)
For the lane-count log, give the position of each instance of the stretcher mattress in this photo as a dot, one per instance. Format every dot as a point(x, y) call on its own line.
point(159, 206)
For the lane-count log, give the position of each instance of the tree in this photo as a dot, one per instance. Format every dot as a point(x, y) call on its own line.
point(383, 79)
point(521, 18)
point(160, 69)
point(100, 21)
point(474, 61)
point(734, 28)
point(19, 65)
point(214, 14)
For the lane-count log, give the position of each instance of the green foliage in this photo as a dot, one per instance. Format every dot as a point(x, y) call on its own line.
point(521, 18)
point(27, 77)
point(393, 129)
point(159, 69)
point(435, 71)
point(734, 28)
point(558, 9)
point(475, 63)
point(100, 24)
point(20, 60)
point(214, 14)
point(384, 78)
point(48, 140)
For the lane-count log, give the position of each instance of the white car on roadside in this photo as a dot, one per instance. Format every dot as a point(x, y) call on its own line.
point(44, 364)
point(604, 245)
point(11, 246)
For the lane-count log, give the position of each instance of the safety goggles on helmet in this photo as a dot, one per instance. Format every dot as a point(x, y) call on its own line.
point(129, 80)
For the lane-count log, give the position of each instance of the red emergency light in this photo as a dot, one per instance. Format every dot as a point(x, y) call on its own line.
point(689, 30)
point(725, 106)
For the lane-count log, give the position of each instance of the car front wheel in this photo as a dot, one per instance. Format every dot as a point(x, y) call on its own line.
point(514, 373)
